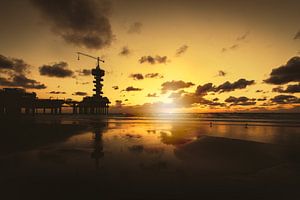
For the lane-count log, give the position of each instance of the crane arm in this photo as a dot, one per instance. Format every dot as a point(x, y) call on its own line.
point(96, 58)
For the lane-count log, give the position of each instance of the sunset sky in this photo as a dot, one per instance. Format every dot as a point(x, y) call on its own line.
point(160, 56)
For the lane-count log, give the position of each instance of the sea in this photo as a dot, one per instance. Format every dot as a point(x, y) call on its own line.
point(159, 156)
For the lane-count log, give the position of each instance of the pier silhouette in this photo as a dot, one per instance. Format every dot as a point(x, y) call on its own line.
point(16, 101)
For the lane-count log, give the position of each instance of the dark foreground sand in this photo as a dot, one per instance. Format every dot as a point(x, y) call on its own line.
point(20, 135)
point(207, 168)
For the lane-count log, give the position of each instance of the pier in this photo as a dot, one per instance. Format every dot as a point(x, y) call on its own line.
point(16, 101)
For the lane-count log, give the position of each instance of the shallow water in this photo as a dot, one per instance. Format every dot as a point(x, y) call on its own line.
point(150, 158)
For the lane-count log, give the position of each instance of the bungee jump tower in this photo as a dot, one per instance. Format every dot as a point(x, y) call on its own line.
point(96, 104)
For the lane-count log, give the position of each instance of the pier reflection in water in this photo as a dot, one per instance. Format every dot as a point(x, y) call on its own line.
point(98, 153)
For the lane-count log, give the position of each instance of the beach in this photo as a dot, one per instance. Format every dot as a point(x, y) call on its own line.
point(161, 157)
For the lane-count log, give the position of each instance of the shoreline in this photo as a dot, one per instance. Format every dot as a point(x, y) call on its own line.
point(227, 120)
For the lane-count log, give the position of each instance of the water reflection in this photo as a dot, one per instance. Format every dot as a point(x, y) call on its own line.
point(98, 153)
point(168, 159)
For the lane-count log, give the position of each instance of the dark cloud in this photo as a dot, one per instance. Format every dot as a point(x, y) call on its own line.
point(136, 27)
point(161, 59)
point(223, 49)
point(82, 83)
point(154, 75)
point(153, 60)
point(243, 37)
point(258, 91)
point(59, 70)
point(175, 85)
point(57, 92)
point(297, 36)
point(115, 87)
point(202, 90)
point(80, 94)
point(221, 73)
point(240, 101)
point(125, 51)
point(213, 104)
point(262, 99)
point(197, 98)
point(83, 23)
point(285, 73)
point(137, 76)
point(84, 72)
point(25, 82)
point(131, 88)
point(14, 65)
point(21, 80)
point(181, 50)
point(232, 47)
point(239, 39)
point(14, 72)
point(148, 59)
point(279, 89)
point(152, 95)
point(239, 84)
point(290, 89)
point(285, 99)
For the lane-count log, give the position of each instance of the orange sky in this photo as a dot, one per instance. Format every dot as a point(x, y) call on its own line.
point(246, 40)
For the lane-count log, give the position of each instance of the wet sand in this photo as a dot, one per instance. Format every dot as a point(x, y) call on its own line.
point(81, 158)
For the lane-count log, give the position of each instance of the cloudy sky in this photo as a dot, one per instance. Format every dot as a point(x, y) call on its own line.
point(160, 56)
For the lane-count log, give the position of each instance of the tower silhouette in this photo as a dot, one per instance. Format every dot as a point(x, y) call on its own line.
point(98, 74)
point(97, 104)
